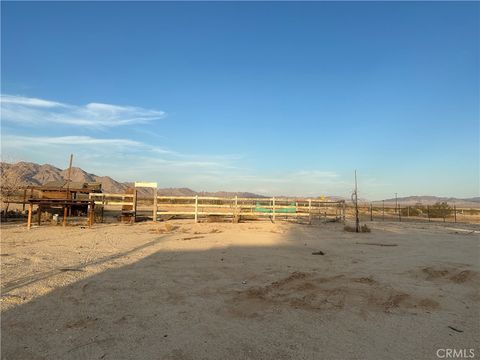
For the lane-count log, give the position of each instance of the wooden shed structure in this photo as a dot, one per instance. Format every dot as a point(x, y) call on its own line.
point(71, 198)
point(68, 190)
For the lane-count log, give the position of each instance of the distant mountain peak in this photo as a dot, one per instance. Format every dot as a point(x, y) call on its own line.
point(35, 174)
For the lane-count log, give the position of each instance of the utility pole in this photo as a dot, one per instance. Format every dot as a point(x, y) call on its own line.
point(355, 195)
point(69, 176)
point(396, 203)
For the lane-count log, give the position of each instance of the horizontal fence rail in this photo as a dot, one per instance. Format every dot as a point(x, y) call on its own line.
point(204, 206)
point(235, 207)
point(198, 207)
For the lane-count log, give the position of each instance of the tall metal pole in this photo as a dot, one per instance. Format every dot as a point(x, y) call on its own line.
point(69, 175)
point(383, 210)
point(357, 220)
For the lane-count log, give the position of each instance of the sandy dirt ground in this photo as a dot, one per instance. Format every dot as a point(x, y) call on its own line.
point(180, 290)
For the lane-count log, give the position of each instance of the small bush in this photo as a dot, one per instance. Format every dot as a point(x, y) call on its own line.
point(411, 211)
point(364, 228)
point(168, 227)
point(440, 210)
point(349, 228)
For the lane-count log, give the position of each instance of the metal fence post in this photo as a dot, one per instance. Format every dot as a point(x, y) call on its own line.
point(273, 209)
point(310, 211)
point(134, 206)
point(196, 208)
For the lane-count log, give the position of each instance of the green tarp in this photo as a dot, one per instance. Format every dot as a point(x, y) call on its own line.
point(290, 209)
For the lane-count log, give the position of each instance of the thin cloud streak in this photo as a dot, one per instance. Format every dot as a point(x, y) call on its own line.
point(128, 160)
point(36, 112)
point(138, 154)
point(11, 141)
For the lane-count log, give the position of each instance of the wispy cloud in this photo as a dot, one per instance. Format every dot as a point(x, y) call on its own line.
point(138, 155)
point(14, 140)
point(33, 111)
point(129, 160)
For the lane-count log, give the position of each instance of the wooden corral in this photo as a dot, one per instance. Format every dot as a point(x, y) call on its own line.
point(203, 208)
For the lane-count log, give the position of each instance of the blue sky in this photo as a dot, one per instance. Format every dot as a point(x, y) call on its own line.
point(272, 97)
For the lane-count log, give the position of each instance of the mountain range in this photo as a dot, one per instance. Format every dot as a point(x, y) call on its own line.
point(30, 173)
point(35, 174)
point(429, 200)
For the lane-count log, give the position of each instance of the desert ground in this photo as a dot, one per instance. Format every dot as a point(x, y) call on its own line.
point(254, 290)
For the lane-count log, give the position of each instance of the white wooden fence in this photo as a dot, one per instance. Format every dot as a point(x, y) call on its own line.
point(198, 207)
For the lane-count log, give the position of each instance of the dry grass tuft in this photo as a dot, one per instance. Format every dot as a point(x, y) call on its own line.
point(364, 228)
point(348, 228)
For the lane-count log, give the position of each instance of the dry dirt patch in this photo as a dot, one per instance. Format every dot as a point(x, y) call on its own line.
point(308, 291)
point(452, 274)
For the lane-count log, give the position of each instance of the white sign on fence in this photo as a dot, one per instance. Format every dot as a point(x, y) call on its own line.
point(146, 184)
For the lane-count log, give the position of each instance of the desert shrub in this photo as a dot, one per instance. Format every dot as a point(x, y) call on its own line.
point(440, 210)
point(416, 210)
point(349, 228)
point(168, 227)
point(364, 228)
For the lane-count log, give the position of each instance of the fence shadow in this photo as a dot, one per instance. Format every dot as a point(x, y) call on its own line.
point(238, 302)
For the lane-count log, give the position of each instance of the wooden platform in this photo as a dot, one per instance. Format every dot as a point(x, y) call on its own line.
point(60, 203)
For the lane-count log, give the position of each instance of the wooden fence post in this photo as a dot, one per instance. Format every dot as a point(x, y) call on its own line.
point(428, 213)
point(196, 208)
point(103, 206)
point(273, 209)
point(309, 211)
point(383, 210)
point(408, 212)
point(235, 218)
point(24, 199)
point(154, 204)
point(455, 213)
point(400, 213)
point(64, 223)
point(371, 212)
point(343, 210)
point(91, 214)
point(29, 219)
